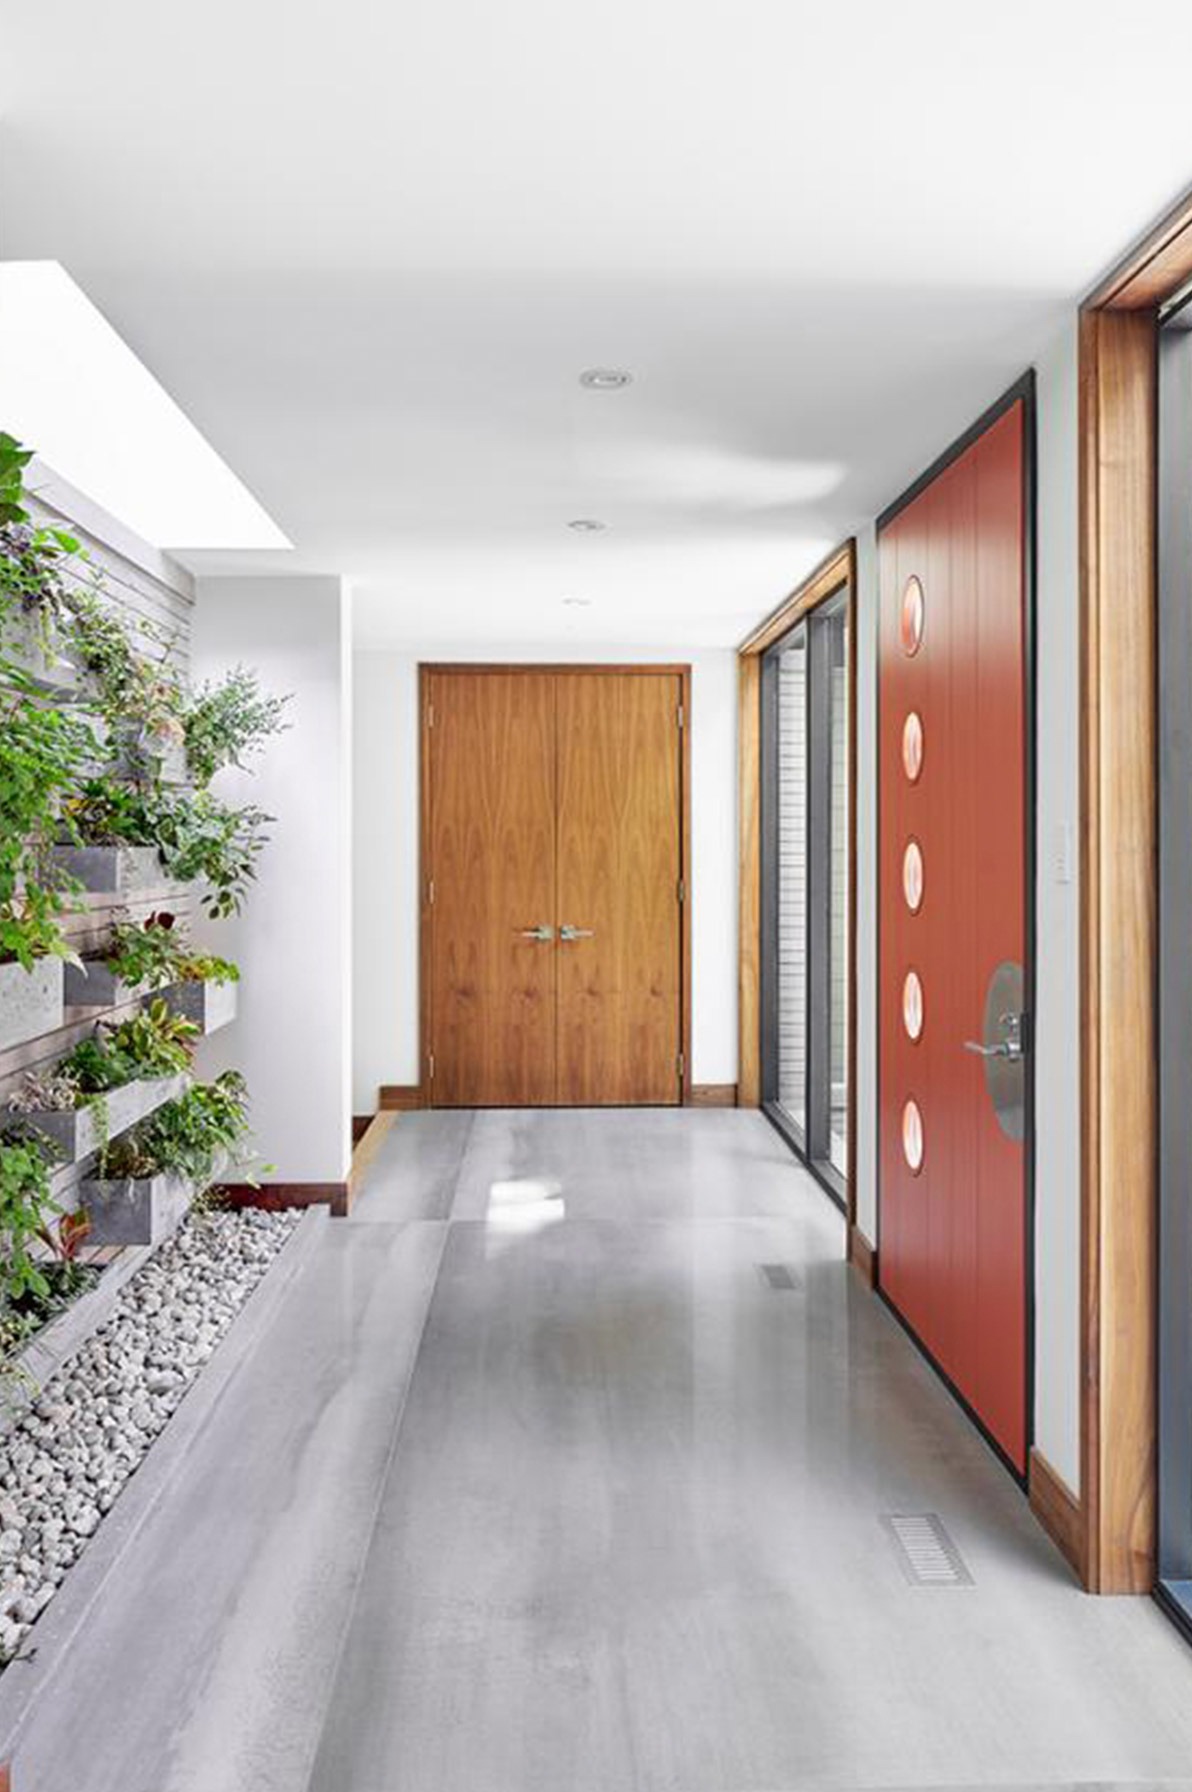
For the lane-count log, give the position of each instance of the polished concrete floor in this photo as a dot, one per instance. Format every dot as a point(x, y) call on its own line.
point(538, 1483)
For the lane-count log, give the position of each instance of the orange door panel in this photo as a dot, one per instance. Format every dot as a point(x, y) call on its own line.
point(952, 914)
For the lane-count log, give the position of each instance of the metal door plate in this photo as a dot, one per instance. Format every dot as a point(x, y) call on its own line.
point(1005, 1078)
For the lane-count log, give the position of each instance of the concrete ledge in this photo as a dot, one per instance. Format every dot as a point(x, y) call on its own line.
point(28, 1680)
point(57, 1342)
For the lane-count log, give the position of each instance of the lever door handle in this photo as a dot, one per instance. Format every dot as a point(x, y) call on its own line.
point(541, 932)
point(568, 932)
point(1012, 1046)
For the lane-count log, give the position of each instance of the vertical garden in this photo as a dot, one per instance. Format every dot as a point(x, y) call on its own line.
point(112, 837)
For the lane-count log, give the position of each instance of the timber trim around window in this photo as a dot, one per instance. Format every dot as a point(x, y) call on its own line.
point(1118, 900)
point(836, 573)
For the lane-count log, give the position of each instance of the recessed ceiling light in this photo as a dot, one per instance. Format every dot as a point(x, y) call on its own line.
point(577, 603)
point(605, 379)
point(587, 525)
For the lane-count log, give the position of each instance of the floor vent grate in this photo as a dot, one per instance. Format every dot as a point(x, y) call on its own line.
point(780, 1277)
point(926, 1554)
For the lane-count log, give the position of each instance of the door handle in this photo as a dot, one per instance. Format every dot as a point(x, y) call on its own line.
point(1011, 1046)
point(542, 932)
point(568, 932)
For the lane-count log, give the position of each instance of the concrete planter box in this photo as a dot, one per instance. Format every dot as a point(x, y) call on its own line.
point(30, 1001)
point(112, 870)
point(165, 760)
point(24, 645)
point(141, 1210)
point(79, 1132)
point(93, 985)
point(209, 1005)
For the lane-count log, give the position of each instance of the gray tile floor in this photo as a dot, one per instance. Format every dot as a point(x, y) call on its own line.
point(536, 1483)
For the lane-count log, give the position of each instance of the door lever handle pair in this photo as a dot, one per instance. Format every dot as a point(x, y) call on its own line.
point(546, 933)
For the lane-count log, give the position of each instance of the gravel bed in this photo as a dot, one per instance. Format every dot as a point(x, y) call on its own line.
point(63, 1465)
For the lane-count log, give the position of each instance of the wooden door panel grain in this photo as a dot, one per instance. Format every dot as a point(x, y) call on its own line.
point(620, 862)
point(491, 855)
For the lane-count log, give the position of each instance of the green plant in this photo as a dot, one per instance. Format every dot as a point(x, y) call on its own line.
point(31, 558)
point(155, 952)
point(94, 1068)
point(43, 751)
point(197, 836)
point(26, 1206)
point(61, 1279)
point(227, 722)
point(67, 1238)
point(105, 811)
point(186, 1137)
point(200, 837)
point(13, 460)
point(156, 1041)
point(138, 695)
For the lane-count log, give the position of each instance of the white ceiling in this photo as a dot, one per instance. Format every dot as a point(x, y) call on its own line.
point(370, 248)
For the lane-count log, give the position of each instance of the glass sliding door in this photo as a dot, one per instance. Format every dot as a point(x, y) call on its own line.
point(1175, 968)
point(805, 889)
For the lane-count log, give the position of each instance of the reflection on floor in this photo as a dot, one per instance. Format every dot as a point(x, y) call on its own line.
point(545, 1480)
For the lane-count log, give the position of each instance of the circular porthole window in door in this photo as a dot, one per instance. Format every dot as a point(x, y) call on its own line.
point(912, 746)
point(911, 616)
point(912, 1006)
point(912, 876)
point(912, 1137)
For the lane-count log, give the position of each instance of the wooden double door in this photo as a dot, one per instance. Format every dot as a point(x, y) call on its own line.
point(554, 902)
point(955, 1095)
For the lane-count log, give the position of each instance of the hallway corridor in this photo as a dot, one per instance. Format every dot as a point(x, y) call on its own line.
point(534, 1480)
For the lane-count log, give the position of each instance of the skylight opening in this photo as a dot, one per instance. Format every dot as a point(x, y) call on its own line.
point(73, 390)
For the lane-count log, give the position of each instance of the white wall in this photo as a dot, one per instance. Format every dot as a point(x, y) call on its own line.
point(385, 828)
point(1057, 953)
point(865, 611)
point(292, 1038)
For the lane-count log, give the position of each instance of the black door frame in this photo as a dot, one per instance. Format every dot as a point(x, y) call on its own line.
point(818, 864)
point(1174, 607)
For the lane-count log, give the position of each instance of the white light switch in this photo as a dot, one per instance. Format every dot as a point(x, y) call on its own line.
point(1063, 852)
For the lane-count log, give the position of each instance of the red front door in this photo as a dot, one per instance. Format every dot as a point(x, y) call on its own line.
point(952, 906)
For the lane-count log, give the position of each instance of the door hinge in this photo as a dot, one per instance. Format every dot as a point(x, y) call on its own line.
point(679, 715)
point(681, 890)
point(430, 893)
point(430, 715)
point(430, 1067)
point(680, 1065)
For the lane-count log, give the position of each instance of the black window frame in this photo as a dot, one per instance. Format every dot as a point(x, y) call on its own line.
point(1174, 674)
point(811, 1143)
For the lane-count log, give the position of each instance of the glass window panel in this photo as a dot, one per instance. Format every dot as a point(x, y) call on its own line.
point(911, 618)
point(838, 918)
point(912, 876)
point(792, 880)
point(912, 1137)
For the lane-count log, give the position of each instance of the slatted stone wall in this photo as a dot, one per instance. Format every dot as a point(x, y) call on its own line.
point(156, 596)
